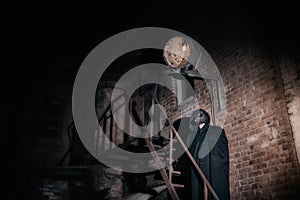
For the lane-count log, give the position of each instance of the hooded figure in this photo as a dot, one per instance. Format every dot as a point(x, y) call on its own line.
point(209, 147)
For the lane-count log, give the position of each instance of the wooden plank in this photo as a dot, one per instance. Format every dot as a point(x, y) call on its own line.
point(178, 185)
point(176, 173)
point(159, 189)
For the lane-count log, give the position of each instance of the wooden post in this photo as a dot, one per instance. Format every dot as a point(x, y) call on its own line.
point(171, 156)
point(205, 192)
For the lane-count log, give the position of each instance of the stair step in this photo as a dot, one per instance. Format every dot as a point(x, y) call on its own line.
point(174, 140)
point(156, 146)
point(178, 185)
point(161, 153)
point(176, 173)
point(138, 196)
point(159, 189)
point(169, 148)
point(153, 161)
point(169, 159)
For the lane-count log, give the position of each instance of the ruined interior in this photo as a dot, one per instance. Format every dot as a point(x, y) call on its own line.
point(257, 55)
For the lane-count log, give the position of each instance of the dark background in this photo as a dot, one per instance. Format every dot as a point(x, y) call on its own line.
point(42, 40)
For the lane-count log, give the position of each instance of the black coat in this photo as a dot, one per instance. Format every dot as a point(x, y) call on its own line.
point(209, 148)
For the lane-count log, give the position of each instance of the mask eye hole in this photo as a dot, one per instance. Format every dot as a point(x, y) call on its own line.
point(201, 115)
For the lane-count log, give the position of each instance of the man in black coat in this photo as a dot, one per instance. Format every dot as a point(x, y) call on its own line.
point(209, 147)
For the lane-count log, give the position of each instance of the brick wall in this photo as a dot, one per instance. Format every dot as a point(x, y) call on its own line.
point(290, 70)
point(263, 161)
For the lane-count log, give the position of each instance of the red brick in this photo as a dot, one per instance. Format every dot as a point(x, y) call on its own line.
point(249, 75)
point(270, 169)
point(255, 173)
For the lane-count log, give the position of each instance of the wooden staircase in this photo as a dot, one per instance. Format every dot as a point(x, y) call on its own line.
point(168, 174)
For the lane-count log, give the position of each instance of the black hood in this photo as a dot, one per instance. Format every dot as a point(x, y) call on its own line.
point(199, 116)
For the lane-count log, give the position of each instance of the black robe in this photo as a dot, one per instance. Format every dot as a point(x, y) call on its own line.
point(209, 148)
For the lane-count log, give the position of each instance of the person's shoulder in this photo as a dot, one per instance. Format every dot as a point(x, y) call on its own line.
point(215, 128)
point(220, 133)
point(216, 132)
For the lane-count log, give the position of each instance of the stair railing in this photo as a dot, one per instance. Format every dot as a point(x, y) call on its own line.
point(207, 185)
